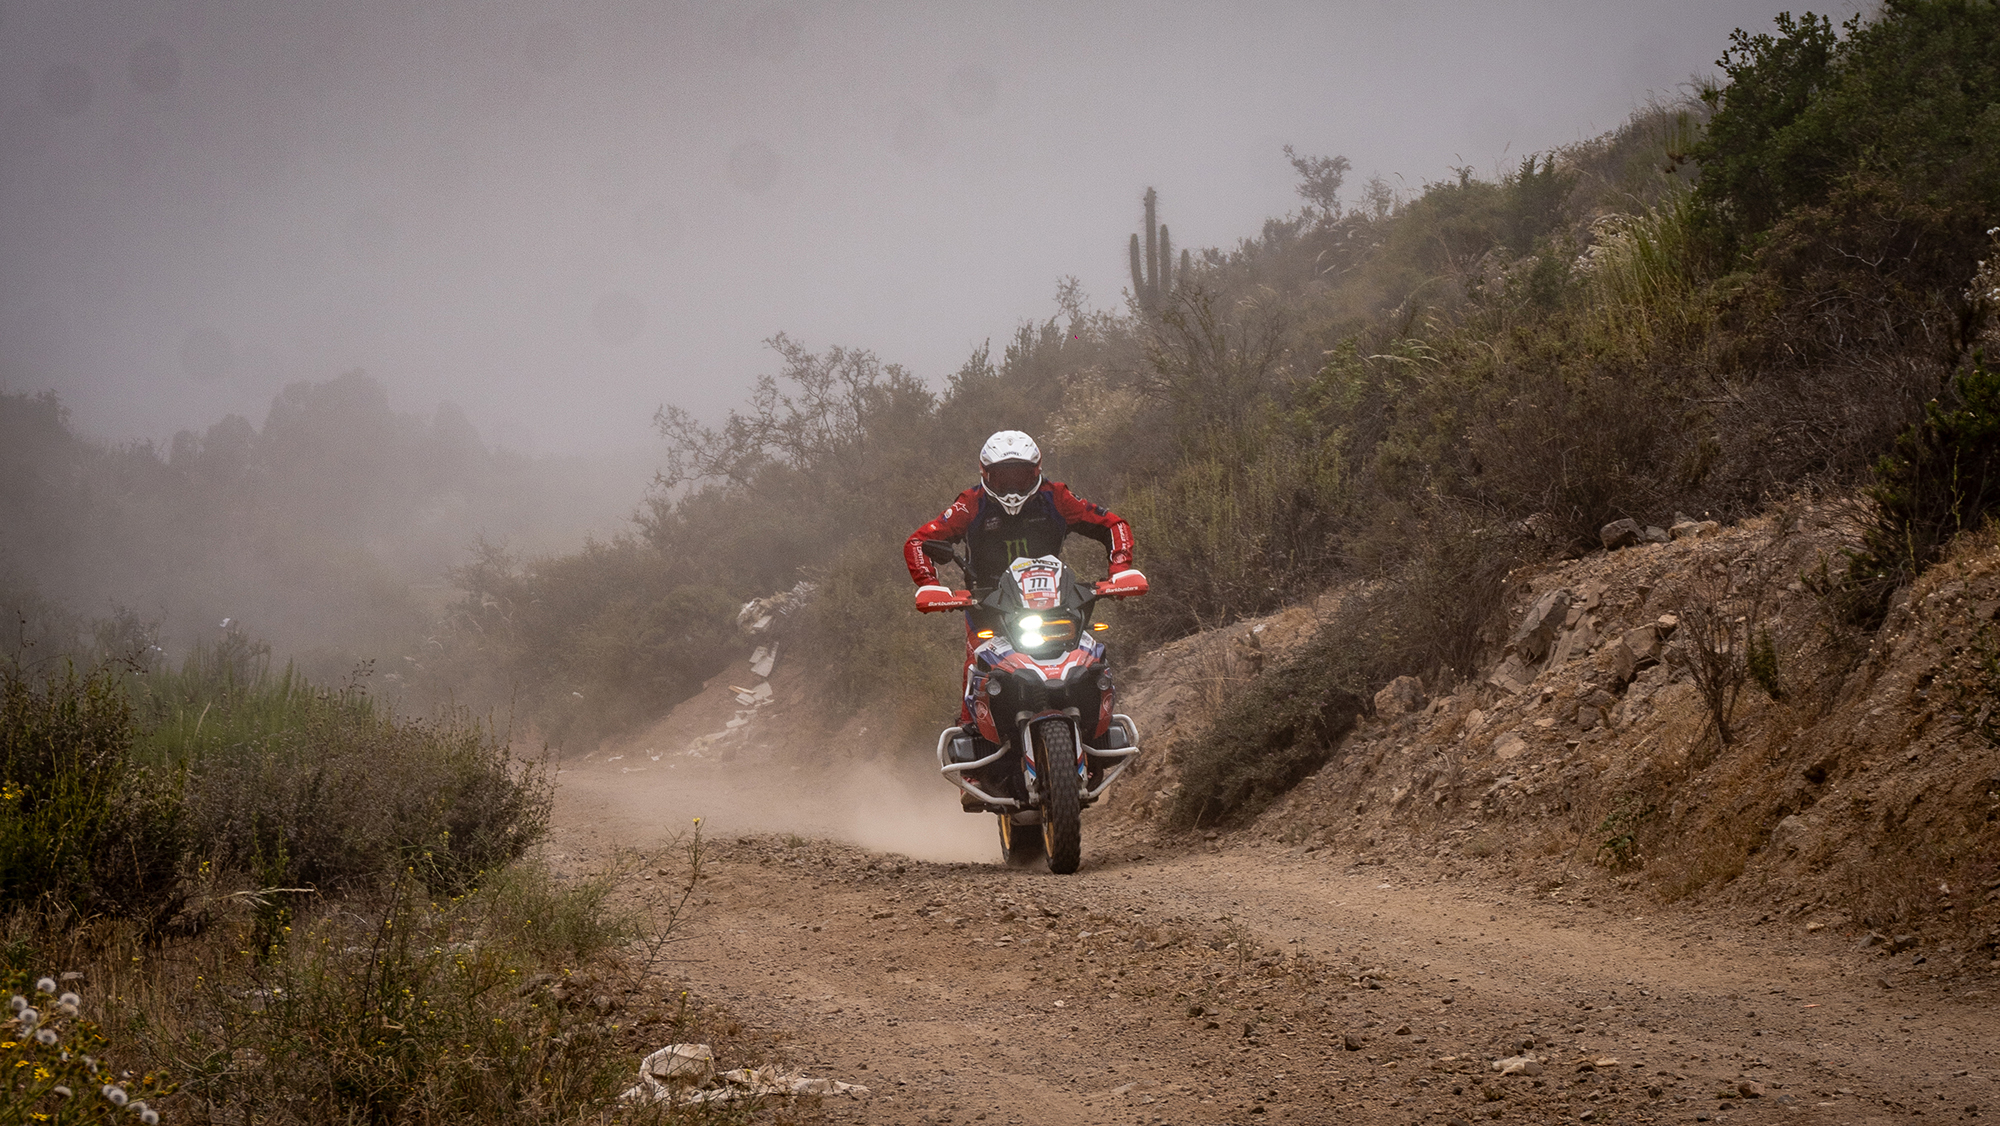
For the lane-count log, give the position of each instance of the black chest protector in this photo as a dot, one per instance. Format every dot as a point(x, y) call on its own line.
point(996, 539)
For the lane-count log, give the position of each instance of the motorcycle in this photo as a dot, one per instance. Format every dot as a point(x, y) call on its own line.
point(1046, 741)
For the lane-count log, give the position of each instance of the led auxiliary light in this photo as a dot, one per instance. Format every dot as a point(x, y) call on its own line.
point(1031, 630)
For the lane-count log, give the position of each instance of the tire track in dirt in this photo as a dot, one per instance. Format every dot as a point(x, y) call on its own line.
point(1236, 983)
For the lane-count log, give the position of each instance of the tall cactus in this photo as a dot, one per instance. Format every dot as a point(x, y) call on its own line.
point(1153, 270)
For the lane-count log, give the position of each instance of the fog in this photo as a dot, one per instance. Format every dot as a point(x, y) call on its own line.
point(560, 216)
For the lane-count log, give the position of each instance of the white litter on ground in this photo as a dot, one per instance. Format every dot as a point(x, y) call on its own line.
point(685, 1074)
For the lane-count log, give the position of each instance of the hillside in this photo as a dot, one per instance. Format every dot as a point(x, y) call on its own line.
point(1862, 798)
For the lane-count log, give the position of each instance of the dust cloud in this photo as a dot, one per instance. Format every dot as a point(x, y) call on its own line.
point(639, 802)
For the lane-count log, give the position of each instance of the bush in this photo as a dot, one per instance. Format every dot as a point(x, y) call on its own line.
point(1943, 478)
point(1857, 172)
point(1427, 617)
point(522, 999)
point(83, 829)
point(298, 785)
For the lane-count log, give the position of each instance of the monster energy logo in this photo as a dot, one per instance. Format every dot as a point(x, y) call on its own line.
point(1016, 549)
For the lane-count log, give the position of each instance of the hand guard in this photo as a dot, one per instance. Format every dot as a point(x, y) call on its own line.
point(934, 598)
point(1128, 583)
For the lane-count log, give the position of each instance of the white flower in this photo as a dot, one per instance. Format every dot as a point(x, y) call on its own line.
point(29, 1017)
point(65, 1092)
point(69, 999)
point(18, 1003)
point(46, 985)
point(150, 1117)
point(116, 1094)
point(46, 1037)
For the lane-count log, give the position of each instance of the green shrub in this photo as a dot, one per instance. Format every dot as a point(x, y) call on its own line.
point(83, 829)
point(1855, 174)
point(1427, 617)
point(318, 789)
point(1942, 478)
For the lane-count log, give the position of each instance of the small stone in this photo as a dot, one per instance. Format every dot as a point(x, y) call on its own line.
point(1872, 939)
point(1620, 533)
point(1402, 1030)
point(1351, 1042)
point(1518, 1065)
point(1750, 1089)
point(1901, 943)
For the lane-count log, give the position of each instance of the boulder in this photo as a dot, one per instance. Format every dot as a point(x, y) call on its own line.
point(1531, 639)
point(1618, 665)
point(1513, 676)
point(1620, 533)
point(1403, 695)
point(1656, 534)
point(1642, 644)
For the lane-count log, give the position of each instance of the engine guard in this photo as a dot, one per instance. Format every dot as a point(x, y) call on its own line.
point(1111, 761)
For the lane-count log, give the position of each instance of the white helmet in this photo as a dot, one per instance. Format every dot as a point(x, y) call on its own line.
point(1010, 469)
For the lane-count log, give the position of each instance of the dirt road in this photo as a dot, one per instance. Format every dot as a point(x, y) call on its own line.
point(1237, 982)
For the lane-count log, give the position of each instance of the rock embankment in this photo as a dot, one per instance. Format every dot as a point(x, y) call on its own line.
point(1859, 787)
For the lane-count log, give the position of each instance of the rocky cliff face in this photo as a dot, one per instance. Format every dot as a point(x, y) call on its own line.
point(1858, 786)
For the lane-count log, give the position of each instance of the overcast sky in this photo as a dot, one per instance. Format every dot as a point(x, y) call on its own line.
point(560, 215)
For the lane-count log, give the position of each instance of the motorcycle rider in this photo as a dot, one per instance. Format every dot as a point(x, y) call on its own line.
point(1013, 512)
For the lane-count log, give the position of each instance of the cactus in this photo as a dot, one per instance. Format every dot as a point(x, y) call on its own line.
point(1153, 269)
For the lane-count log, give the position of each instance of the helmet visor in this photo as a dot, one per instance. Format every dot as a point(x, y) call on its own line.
point(1013, 478)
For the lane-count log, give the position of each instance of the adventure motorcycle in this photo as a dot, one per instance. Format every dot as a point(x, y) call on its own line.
point(1045, 739)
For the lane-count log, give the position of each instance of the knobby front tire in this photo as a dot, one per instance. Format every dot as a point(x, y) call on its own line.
point(1062, 821)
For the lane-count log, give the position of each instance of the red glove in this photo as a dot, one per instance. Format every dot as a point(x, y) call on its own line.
point(934, 598)
point(1128, 583)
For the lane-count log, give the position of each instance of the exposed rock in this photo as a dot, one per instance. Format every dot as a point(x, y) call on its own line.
point(1642, 643)
point(1509, 746)
point(1404, 695)
point(1620, 533)
point(1512, 676)
point(1656, 534)
point(1537, 631)
point(1618, 665)
point(1901, 943)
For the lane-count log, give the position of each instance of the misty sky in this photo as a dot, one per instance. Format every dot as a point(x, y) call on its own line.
point(561, 215)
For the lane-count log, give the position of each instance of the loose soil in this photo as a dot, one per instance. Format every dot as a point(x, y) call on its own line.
point(1239, 981)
